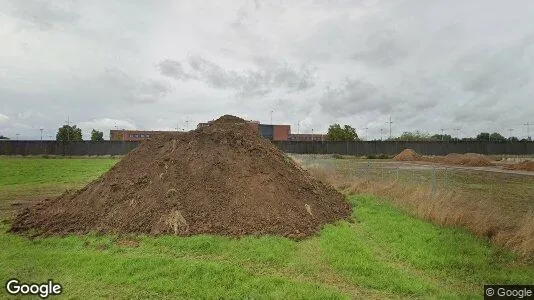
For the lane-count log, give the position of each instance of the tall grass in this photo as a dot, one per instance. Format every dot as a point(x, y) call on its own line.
point(443, 207)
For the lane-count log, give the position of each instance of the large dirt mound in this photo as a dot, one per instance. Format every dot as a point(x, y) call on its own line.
point(522, 166)
point(220, 179)
point(468, 159)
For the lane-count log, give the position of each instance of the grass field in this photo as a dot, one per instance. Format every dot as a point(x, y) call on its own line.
point(382, 253)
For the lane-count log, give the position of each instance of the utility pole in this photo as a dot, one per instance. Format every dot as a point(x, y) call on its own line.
point(389, 126)
point(68, 129)
point(528, 128)
point(312, 135)
point(272, 116)
point(381, 133)
point(366, 133)
point(442, 135)
point(17, 136)
point(41, 129)
point(298, 127)
point(510, 130)
point(457, 131)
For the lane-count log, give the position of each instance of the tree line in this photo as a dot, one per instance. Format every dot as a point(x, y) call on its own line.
point(348, 133)
point(68, 133)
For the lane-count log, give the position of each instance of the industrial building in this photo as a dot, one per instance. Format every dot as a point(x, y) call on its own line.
point(273, 132)
point(132, 135)
point(305, 137)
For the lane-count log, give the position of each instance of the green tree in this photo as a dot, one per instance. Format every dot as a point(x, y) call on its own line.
point(338, 133)
point(483, 136)
point(414, 136)
point(69, 133)
point(513, 139)
point(3, 137)
point(497, 137)
point(97, 136)
point(441, 137)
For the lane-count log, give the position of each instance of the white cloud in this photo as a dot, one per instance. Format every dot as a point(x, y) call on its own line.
point(3, 118)
point(429, 64)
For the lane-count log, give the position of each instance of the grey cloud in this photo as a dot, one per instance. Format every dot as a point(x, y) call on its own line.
point(135, 90)
point(356, 97)
point(46, 14)
point(172, 69)
point(382, 48)
point(252, 82)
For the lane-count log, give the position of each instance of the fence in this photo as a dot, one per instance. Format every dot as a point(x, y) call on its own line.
point(394, 147)
point(72, 148)
point(11, 147)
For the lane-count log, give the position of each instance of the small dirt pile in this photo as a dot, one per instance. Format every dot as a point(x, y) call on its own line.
point(468, 159)
point(407, 155)
point(522, 166)
point(220, 179)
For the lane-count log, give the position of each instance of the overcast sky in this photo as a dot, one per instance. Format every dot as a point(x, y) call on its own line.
point(167, 64)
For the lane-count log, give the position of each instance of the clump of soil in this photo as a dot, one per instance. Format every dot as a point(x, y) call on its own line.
point(407, 155)
point(468, 159)
point(522, 166)
point(219, 179)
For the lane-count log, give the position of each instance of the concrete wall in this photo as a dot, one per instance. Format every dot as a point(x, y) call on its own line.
point(12, 147)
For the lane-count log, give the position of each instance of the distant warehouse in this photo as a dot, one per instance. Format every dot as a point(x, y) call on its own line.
point(268, 131)
point(132, 135)
point(273, 132)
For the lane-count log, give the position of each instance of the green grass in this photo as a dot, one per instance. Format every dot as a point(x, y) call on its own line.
point(36, 178)
point(381, 253)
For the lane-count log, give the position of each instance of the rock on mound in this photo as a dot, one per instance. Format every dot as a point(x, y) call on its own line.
point(407, 155)
point(219, 179)
point(468, 159)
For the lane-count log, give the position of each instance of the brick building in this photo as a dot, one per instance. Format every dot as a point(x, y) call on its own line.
point(307, 137)
point(132, 135)
point(273, 132)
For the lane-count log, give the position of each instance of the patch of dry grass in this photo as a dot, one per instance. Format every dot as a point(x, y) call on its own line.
point(444, 207)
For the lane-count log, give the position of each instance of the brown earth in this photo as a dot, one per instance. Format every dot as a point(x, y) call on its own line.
point(220, 179)
point(468, 159)
point(522, 166)
point(407, 155)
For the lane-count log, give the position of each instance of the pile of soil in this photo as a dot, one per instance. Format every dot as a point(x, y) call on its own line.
point(468, 159)
point(522, 166)
point(407, 155)
point(219, 179)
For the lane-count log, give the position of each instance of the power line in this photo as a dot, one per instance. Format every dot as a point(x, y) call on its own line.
point(528, 128)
